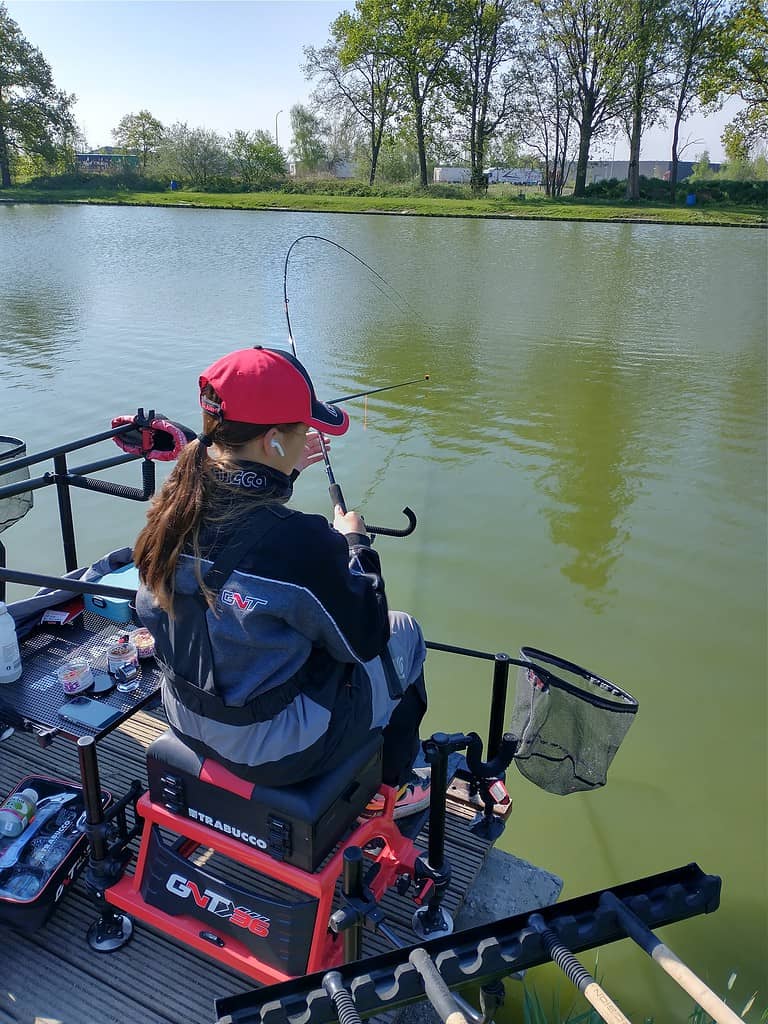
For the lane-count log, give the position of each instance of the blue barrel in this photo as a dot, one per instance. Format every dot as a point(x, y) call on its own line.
point(690, 199)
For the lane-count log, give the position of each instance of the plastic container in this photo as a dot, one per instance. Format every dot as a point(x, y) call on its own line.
point(10, 658)
point(17, 812)
point(118, 609)
point(75, 676)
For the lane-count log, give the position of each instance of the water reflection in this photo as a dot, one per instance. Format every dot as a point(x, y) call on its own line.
point(37, 330)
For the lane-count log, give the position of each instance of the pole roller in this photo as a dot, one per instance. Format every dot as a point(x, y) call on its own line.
point(669, 962)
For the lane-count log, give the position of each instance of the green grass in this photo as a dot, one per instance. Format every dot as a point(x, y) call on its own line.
point(504, 206)
point(535, 1012)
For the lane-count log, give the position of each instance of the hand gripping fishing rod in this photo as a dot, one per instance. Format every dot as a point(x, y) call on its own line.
point(334, 489)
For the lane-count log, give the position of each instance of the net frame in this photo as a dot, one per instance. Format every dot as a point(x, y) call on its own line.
point(570, 733)
point(13, 508)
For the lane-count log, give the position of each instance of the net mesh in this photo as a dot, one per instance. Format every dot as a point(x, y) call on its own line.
point(14, 508)
point(568, 722)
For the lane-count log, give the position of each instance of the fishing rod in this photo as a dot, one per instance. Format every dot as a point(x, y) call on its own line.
point(375, 391)
point(334, 489)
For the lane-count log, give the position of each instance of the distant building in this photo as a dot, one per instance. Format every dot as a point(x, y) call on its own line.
point(604, 170)
point(106, 161)
point(325, 169)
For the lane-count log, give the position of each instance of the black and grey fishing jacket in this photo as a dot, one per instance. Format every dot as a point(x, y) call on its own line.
point(268, 676)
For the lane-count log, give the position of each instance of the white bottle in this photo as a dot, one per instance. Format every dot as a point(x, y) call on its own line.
point(10, 659)
point(17, 812)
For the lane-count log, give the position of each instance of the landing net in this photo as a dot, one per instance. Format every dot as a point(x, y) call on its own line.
point(568, 722)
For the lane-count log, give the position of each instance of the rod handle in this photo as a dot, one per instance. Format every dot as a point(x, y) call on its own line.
point(605, 1006)
point(577, 974)
point(337, 498)
point(719, 1011)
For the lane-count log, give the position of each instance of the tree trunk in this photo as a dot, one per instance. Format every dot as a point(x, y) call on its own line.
point(633, 170)
point(420, 144)
point(5, 161)
point(585, 138)
point(376, 135)
point(675, 159)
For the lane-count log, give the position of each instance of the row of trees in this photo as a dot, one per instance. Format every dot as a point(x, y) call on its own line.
point(462, 76)
point(448, 80)
point(199, 155)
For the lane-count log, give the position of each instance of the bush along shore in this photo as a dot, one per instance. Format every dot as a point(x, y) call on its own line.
point(736, 204)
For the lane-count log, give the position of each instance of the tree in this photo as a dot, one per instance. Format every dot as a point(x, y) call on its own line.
point(364, 86)
point(256, 157)
point(195, 155)
point(308, 147)
point(141, 133)
point(593, 37)
point(545, 111)
point(742, 70)
point(34, 114)
point(702, 169)
point(649, 26)
point(696, 43)
point(484, 86)
point(418, 37)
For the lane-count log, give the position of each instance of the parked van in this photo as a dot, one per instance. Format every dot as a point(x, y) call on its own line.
point(513, 176)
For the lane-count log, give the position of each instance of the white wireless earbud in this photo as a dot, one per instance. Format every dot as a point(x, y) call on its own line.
point(278, 447)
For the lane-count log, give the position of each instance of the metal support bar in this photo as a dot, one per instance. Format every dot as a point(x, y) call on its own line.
point(352, 888)
point(36, 579)
point(61, 449)
point(94, 812)
point(498, 703)
point(65, 512)
point(96, 467)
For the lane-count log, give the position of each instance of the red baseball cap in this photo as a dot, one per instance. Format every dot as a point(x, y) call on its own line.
point(265, 385)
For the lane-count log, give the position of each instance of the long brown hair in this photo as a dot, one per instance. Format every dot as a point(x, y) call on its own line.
point(191, 495)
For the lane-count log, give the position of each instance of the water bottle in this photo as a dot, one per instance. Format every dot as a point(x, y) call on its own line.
point(10, 659)
point(17, 812)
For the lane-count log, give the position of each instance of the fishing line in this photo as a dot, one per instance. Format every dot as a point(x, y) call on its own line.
point(360, 260)
point(337, 498)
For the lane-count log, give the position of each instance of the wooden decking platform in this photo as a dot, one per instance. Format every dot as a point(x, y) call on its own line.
point(53, 977)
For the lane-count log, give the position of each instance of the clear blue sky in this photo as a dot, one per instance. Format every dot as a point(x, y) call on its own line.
point(221, 65)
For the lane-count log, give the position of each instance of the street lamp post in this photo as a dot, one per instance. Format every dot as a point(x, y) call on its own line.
point(276, 117)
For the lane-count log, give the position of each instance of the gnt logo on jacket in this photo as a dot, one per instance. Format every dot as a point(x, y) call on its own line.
point(243, 602)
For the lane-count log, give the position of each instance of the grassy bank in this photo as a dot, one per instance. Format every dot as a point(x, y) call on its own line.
point(503, 206)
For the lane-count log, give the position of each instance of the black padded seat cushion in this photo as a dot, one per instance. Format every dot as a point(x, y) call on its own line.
point(306, 801)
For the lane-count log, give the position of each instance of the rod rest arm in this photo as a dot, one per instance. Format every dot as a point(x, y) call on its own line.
point(496, 767)
point(143, 493)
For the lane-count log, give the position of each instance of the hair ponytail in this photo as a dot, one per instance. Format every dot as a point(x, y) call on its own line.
point(189, 495)
point(174, 517)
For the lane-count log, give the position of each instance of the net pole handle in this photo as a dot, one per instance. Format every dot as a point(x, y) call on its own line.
point(668, 961)
point(672, 965)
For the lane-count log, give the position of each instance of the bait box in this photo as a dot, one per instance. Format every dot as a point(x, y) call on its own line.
point(29, 914)
point(118, 609)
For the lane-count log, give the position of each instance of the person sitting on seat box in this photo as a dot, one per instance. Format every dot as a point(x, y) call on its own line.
point(280, 656)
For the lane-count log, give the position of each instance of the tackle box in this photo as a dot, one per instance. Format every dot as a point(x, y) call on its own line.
point(37, 866)
point(297, 824)
point(118, 609)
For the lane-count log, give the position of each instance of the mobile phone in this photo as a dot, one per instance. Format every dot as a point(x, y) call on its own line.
point(89, 712)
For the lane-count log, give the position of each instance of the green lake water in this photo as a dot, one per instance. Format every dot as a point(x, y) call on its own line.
point(587, 462)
